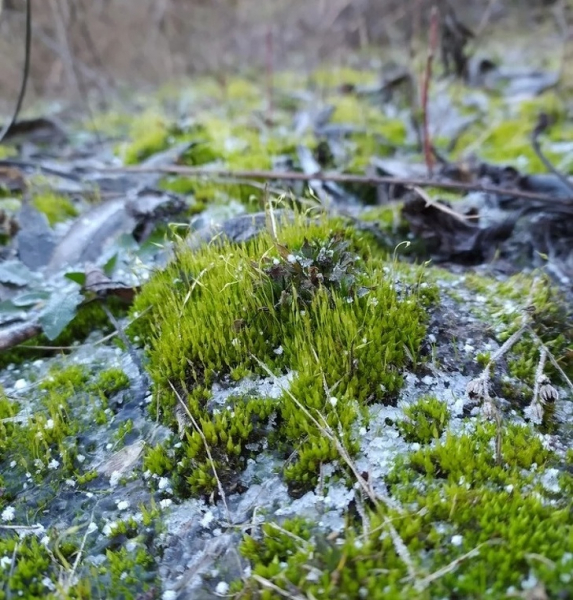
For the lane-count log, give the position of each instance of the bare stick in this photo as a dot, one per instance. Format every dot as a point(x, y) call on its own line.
point(432, 45)
point(269, 68)
point(26, 72)
point(542, 125)
point(339, 178)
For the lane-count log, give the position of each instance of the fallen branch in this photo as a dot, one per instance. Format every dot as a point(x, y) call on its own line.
point(338, 178)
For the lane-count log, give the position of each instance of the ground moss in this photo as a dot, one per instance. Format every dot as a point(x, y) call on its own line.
point(25, 563)
point(56, 208)
point(150, 133)
point(425, 421)
point(330, 78)
point(461, 500)
point(505, 308)
point(111, 381)
point(311, 305)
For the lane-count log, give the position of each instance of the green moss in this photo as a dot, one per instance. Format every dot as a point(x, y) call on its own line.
point(508, 140)
point(111, 381)
point(34, 569)
point(56, 208)
point(130, 574)
point(7, 151)
point(150, 133)
point(65, 381)
point(28, 563)
point(459, 500)
point(425, 421)
point(550, 320)
point(310, 304)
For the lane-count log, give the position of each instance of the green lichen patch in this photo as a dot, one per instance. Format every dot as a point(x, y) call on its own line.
point(311, 305)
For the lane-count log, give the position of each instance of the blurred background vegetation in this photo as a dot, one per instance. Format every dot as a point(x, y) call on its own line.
point(109, 46)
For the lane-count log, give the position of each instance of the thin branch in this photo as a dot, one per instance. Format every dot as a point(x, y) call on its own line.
point(338, 178)
point(542, 125)
point(25, 74)
point(432, 45)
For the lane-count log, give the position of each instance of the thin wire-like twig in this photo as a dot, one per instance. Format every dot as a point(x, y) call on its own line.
point(26, 71)
point(432, 45)
point(542, 125)
point(337, 178)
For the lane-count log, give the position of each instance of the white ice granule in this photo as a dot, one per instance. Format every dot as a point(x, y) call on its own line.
point(208, 517)
point(8, 514)
point(47, 582)
point(114, 479)
point(457, 540)
point(122, 505)
point(165, 503)
point(169, 595)
point(20, 384)
point(222, 588)
point(92, 527)
point(550, 480)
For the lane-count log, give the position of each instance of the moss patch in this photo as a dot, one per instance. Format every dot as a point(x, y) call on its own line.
point(474, 529)
point(56, 208)
point(310, 304)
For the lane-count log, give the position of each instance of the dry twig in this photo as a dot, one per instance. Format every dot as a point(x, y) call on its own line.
point(338, 178)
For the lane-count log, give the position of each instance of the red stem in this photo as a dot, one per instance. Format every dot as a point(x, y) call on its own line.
point(432, 45)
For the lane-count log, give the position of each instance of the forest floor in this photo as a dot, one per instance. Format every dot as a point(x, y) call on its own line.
point(293, 335)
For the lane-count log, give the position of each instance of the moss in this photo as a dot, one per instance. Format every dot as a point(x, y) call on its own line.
point(56, 208)
point(66, 380)
point(425, 421)
point(7, 151)
point(310, 304)
point(111, 381)
point(34, 569)
point(549, 319)
point(150, 133)
point(459, 500)
point(129, 574)
point(508, 140)
point(27, 563)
